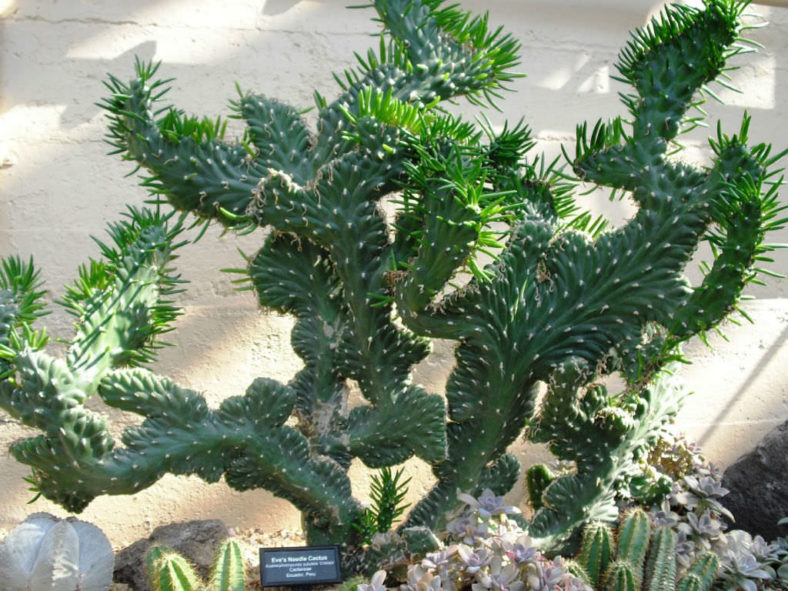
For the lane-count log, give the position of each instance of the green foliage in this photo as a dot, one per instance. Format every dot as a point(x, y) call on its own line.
point(169, 571)
point(122, 306)
point(487, 249)
point(387, 494)
point(20, 305)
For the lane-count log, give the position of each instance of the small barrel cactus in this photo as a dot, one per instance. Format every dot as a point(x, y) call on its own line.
point(169, 571)
point(44, 553)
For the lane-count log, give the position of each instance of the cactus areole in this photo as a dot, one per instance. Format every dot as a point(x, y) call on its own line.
point(564, 301)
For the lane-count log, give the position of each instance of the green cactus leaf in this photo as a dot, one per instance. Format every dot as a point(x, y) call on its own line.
point(590, 494)
point(501, 475)
point(701, 574)
point(122, 303)
point(574, 568)
point(45, 389)
point(20, 306)
point(420, 540)
point(279, 134)
point(669, 60)
point(690, 582)
point(266, 402)
point(424, 514)
point(388, 435)
point(277, 272)
point(446, 37)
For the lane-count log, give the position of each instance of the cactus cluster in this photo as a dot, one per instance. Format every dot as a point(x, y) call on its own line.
point(564, 302)
point(638, 558)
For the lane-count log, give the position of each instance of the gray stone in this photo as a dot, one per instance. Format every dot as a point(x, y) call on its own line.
point(195, 540)
point(758, 484)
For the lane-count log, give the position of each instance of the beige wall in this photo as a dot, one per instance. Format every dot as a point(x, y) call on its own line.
point(57, 188)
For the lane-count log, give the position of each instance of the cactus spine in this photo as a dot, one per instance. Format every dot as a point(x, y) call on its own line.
point(661, 563)
point(229, 572)
point(622, 576)
point(169, 571)
point(633, 538)
point(596, 551)
point(641, 560)
point(564, 302)
point(701, 573)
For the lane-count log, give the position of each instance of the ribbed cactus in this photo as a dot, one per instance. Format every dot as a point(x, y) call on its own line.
point(637, 559)
point(169, 571)
point(44, 553)
point(596, 551)
point(564, 301)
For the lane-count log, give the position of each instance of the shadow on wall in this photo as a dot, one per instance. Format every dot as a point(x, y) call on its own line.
point(763, 380)
point(765, 393)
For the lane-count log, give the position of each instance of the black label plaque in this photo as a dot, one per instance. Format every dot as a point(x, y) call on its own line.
point(296, 567)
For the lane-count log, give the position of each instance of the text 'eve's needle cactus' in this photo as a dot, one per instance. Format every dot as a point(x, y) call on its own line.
point(564, 302)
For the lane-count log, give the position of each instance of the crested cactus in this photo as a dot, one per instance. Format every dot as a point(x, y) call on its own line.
point(563, 303)
point(44, 553)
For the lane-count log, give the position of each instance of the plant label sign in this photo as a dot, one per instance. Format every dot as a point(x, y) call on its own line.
point(297, 567)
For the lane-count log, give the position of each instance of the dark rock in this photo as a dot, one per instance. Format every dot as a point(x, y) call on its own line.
point(758, 484)
point(195, 540)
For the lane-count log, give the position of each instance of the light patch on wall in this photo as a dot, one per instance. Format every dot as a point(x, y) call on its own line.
point(740, 388)
point(25, 126)
point(757, 81)
point(562, 75)
point(6, 7)
point(184, 31)
point(33, 122)
point(273, 7)
point(598, 82)
point(557, 79)
point(182, 47)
